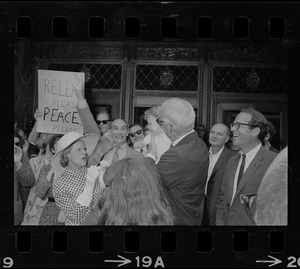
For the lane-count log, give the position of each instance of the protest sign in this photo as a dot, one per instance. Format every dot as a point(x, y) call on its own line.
point(57, 101)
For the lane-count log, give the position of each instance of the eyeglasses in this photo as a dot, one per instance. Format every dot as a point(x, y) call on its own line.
point(237, 125)
point(138, 132)
point(103, 121)
point(161, 122)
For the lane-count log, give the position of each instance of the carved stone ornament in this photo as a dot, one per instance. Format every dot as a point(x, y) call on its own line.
point(168, 53)
point(166, 77)
point(252, 80)
point(84, 52)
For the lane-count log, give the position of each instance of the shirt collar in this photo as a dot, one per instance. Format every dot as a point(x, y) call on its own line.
point(251, 154)
point(217, 154)
point(180, 138)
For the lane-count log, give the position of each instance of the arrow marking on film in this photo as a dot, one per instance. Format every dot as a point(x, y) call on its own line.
point(274, 261)
point(122, 262)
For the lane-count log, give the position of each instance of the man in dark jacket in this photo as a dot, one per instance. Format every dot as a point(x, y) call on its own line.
point(182, 168)
point(219, 155)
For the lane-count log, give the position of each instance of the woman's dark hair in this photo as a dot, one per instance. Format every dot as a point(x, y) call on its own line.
point(33, 150)
point(53, 140)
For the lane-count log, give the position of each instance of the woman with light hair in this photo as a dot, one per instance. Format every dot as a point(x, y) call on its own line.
point(162, 142)
point(133, 195)
point(78, 187)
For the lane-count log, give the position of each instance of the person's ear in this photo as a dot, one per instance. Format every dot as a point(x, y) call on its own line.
point(227, 138)
point(255, 131)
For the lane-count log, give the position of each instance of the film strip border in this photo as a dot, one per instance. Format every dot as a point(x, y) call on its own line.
point(150, 247)
point(151, 21)
point(96, 27)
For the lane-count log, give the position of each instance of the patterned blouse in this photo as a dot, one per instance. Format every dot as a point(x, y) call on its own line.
point(67, 188)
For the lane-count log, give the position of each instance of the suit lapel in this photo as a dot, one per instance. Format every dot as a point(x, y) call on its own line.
point(231, 174)
point(221, 159)
point(254, 165)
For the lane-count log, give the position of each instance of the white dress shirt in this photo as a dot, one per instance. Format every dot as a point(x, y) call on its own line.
point(249, 157)
point(213, 158)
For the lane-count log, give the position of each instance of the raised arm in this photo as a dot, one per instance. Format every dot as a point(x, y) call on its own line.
point(85, 114)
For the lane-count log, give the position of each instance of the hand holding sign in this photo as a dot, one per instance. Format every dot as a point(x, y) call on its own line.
point(79, 92)
point(38, 114)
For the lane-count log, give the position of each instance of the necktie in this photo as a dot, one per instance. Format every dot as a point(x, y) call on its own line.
point(241, 169)
point(116, 154)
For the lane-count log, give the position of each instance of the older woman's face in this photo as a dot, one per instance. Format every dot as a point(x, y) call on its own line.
point(77, 156)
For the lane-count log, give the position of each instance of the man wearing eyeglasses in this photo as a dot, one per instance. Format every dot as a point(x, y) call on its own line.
point(245, 170)
point(104, 123)
point(183, 167)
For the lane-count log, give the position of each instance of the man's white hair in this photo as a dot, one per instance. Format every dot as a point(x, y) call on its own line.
point(180, 113)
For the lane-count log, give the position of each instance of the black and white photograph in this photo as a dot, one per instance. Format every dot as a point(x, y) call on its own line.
point(151, 134)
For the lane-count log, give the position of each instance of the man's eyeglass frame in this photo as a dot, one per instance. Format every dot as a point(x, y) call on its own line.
point(237, 125)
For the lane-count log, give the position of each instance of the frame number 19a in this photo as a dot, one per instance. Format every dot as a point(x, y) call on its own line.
point(146, 261)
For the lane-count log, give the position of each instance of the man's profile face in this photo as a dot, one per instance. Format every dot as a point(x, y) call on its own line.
point(243, 136)
point(103, 126)
point(119, 131)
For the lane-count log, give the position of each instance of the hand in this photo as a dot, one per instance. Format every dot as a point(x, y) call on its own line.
point(17, 154)
point(102, 170)
point(50, 174)
point(138, 144)
point(25, 145)
point(78, 87)
point(38, 114)
point(92, 173)
point(152, 147)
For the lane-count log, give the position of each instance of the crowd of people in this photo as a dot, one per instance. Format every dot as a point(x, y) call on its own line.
point(169, 172)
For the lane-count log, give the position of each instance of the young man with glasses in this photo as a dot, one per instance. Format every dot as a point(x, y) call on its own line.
point(103, 121)
point(244, 171)
point(136, 134)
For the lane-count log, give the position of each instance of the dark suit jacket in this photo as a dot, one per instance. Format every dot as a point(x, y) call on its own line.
point(215, 181)
point(235, 214)
point(183, 171)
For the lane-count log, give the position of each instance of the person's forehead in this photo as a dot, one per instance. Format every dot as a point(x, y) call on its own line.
point(135, 128)
point(78, 144)
point(219, 128)
point(243, 117)
point(119, 123)
point(102, 117)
